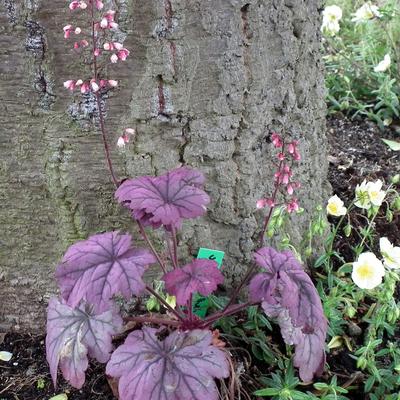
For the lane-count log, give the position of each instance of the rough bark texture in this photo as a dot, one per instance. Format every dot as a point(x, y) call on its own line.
point(205, 83)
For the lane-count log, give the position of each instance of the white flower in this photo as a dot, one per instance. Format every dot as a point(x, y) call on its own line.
point(362, 197)
point(366, 12)
point(384, 64)
point(368, 271)
point(390, 253)
point(121, 142)
point(335, 206)
point(330, 20)
point(368, 194)
point(375, 192)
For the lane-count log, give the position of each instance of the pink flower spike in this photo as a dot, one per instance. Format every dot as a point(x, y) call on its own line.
point(123, 54)
point(77, 30)
point(114, 58)
point(70, 84)
point(276, 140)
point(292, 206)
point(113, 83)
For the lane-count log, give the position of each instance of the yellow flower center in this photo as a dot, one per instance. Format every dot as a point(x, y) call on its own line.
point(365, 271)
point(333, 208)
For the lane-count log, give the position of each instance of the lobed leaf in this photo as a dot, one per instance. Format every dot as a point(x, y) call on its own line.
point(101, 266)
point(73, 334)
point(288, 294)
point(183, 366)
point(167, 199)
point(200, 276)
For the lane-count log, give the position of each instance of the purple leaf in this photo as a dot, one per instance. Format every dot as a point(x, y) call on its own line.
point(73, 334)
point(97, 268)
point(288, 294)
point(200, 276)
point(167, 199)
point(183, 366)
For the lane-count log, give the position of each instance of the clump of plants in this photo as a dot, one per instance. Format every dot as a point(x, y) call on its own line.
point(176, 355)
point(361, 42)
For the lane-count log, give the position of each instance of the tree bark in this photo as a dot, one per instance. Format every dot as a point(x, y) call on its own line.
point(206, 82)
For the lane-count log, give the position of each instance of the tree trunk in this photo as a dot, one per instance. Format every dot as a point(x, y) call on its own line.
point(206, 82)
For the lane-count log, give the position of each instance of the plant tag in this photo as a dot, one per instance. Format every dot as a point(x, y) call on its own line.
point(201, 303)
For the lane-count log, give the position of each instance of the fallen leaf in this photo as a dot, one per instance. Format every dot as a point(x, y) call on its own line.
point(392, 144)
point(61, 396)
point(5, 356)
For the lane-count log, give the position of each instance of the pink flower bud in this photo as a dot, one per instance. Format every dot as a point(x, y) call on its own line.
point(85, 88)
point(77, 30)
point(260, 204)
point(123, 54)
point(113, 25)
point(292, 206)
point(113, 83)
point(76, 45)
point(96, 52)
point(74, 5)
point(67, 31)
point(84, 43)
point(103, 83)
point(99, 5)
point(290, 189)
point(281, 156)
point(114, 58)
point(118, 46)
point(82, 5)
point(107, 46)
point(79, 82)
point(70, 84)
point(121, 142)
point(276, 140)
point(109, 15)
point(130, 131)
point(104, 23)
point(95, 86)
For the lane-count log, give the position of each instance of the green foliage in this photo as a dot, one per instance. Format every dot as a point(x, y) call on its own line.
point(351, 55)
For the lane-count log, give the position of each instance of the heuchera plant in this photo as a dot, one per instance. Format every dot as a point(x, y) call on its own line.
point(181, 360)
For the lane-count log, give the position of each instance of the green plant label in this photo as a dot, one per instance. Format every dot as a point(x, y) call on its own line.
point(200, 303)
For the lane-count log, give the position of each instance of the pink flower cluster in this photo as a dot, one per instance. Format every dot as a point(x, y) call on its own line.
point(89, 85)
point(101, 23)
point(283, 182)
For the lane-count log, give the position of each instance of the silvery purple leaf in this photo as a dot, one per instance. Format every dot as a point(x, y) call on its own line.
point(183, 366)
point(288, 294)
point(73, 334)
point(101, 266)
point(167, 199)
point(200, 276)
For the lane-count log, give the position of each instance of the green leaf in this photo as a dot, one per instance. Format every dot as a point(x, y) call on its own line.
point(267, 392)
point(392, 144)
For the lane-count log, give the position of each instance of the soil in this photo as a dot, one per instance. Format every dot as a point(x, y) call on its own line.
point(356, 153)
